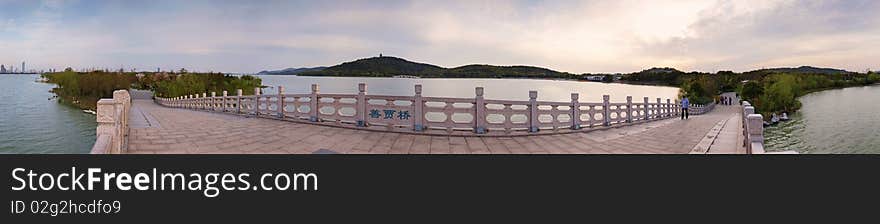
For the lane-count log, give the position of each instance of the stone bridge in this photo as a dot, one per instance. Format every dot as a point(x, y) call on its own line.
point(198, 128)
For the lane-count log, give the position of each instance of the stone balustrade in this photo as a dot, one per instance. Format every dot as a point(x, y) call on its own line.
point(112, 117)
point(753, 131)
point(433, 115)
point(697, 109)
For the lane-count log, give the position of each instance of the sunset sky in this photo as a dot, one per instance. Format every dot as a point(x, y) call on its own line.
point(569, 36)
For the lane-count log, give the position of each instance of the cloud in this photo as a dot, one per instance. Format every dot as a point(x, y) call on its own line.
point(573, 36)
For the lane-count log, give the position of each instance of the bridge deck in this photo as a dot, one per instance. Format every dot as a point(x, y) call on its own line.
point(157, 129)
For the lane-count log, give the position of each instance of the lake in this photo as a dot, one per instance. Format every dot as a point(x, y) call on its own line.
point(31, 123)
point(832, 121)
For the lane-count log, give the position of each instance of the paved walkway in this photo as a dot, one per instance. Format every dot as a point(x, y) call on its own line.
point(157, 129)
point(730, 138)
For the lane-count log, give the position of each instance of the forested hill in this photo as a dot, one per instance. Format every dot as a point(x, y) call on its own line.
point(391, 66)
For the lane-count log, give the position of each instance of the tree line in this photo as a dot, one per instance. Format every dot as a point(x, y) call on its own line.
point(84, 89)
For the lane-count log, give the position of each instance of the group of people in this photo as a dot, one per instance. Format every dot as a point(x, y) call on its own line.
point(685, 104)
point(726, 100)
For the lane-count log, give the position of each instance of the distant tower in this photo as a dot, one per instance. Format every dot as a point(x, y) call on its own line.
point(23, 70)
point(380, 55)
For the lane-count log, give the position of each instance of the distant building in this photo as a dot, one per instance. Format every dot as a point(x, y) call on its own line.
point(2, 69)
point(597, 78)
point(23, 70)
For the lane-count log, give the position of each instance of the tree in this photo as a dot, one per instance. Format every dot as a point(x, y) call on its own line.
point(183, 71)
point(751, 90)
point(68, 69)
point(608, 78)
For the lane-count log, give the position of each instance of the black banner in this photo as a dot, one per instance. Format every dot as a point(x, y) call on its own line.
point(415, 188)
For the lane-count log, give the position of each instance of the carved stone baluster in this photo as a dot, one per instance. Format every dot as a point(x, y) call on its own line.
point(605, 102)
point(575, 112)
point(479, 111)
point(533, 111)
point(362, 104)
point(629, 110)
point(281, 102)
point(418, 106)
point(313, 104)
point(238, 101)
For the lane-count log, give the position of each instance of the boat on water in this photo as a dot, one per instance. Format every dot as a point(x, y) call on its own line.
point(90, 112)
point(774, 119)
point(784, 117)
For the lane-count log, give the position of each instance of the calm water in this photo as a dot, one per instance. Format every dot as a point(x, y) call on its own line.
point(29, 123)
point(832, 121)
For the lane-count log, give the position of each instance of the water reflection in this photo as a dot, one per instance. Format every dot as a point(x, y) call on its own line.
point(832, 121)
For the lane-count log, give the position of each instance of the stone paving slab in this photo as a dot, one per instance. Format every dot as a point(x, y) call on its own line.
point(189, 131)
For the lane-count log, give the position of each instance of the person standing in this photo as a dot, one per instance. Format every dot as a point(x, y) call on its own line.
point(685, 103)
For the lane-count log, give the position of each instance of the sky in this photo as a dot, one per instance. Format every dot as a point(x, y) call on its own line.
point(569, 36)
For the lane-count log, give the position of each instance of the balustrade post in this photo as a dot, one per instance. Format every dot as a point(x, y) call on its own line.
point(238, 101)
point(107, 122)
point(575, 111)
point(646, 108)
point(362, 103)
point(418, 106)
point(256, 101)
point(629, 109)
point(313, 104)
point(533, 111)
point(756, 134)
point(669, 107)
point(658, 113)
point(225, 102)
point(213, 101)
point(479, 111)
point(204, 101)
point(747, 110)
point(281, 102)
point(606, 114)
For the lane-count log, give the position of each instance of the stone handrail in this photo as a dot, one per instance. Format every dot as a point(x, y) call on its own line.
point(112, 117)
point(697, 109)
point(753, 131)
point(431, 115)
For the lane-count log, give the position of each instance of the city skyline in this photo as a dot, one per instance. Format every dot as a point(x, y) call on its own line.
point(568, 36)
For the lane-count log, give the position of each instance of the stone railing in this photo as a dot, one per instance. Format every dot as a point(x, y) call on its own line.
point(753, 131)
point(697, 109)
point(112, 117)
point(432, 115)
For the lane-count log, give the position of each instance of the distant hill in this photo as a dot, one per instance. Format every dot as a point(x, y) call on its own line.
point(660, 71)
point(385, 66)
point(378, 66)
point(803, 70)
point(291, 71)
